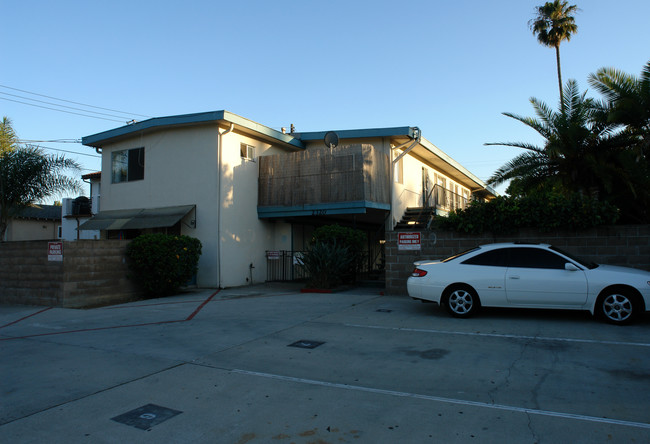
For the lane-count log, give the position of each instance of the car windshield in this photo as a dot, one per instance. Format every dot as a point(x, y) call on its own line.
point(584, 263)
point(450, 258)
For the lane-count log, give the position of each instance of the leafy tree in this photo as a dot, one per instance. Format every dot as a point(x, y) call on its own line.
point(553, 24)
point(28, 175)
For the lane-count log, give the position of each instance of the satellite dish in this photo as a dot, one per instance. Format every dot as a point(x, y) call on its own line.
point(331, 139)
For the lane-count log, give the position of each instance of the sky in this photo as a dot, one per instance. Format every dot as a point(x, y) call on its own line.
point(75, 68)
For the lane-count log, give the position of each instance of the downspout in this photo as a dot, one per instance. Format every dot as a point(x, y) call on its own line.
point(219, 174)
point(417, 135)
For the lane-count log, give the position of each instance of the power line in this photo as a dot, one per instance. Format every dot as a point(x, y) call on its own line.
point(60, 110)
point(96, 156)
point(75, 103)
point(51, 141)
point(64, 106)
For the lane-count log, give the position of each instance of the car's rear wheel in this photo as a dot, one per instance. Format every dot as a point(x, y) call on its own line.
point(462, 301)
point(618, 307)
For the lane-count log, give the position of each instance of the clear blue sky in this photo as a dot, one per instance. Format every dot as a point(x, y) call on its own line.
point(450, 68)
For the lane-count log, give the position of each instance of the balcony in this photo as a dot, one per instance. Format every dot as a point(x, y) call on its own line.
point(349, 179)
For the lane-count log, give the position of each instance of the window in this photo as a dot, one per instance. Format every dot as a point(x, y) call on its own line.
point(247, 151)
point(535, 258)
point(492, 258)
point(127, 165)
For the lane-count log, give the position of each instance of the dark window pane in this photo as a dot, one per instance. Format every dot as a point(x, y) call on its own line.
point(494, 258)
point(535, 258)
point(136, 164)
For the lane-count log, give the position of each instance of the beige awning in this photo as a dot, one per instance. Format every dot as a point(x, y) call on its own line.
point(137, 218)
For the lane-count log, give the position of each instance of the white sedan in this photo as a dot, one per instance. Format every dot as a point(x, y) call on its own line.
point(530, 276)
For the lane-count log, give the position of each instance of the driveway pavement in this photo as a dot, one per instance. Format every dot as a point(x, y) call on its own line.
point(267, 364)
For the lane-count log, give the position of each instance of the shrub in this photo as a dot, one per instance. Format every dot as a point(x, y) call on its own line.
point(160, 264)
point(352, 239)
point(545, 212)
point(326, 263)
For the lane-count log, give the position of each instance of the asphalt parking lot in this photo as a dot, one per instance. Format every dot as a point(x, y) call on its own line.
point(268, 364)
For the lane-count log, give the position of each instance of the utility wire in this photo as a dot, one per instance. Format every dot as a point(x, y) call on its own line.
point(75, 103)
point(96, 156)
point(64, 106)
point(60, 110)
point(51, 141)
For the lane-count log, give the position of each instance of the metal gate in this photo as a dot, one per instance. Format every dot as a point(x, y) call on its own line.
point(284, 265)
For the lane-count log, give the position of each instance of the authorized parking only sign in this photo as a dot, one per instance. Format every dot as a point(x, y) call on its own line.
point(55, 251)
point(408, 241)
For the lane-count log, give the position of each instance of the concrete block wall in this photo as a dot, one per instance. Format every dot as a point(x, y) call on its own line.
point(92, 273)
point(626, 245)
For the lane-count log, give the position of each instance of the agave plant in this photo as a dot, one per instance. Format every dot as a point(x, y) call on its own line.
point(326, 263)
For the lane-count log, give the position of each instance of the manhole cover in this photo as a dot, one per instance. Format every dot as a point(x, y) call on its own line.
point(146, 417)
point(305, 343)
point(384, 310)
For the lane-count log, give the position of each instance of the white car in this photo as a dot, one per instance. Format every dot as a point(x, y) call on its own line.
point(530, 276)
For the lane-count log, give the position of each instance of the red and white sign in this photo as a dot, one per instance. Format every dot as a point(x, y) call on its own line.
point(408, 241)
point(55, 251)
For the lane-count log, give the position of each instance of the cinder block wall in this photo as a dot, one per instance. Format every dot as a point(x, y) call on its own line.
point(627, 245)
point(91, 273)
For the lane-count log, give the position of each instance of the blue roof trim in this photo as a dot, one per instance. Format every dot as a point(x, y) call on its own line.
point(361, 133)
point(99, 139)
point(323, 209)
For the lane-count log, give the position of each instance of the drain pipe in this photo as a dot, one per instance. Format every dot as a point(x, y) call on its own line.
point(219, 200)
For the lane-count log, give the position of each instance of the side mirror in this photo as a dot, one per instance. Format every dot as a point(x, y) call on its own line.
point(570, 267)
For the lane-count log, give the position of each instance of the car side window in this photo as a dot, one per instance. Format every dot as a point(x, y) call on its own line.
point(535, 258)
point(493, 258)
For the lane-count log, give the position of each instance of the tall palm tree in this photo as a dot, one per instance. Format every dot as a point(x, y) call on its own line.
point(627, 102)
point(580, 153)
point(553, 24)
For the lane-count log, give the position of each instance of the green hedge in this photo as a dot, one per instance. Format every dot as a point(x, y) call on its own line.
point(160, 264)
point(546, 212)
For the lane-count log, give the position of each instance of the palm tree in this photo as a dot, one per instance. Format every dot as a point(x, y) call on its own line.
point(8, 137)
point(627, 102)
point(581, 153)
point(553, 24)
point(27, 175)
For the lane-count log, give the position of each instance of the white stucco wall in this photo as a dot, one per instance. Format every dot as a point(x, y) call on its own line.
point(409, 193)
point(181, 168)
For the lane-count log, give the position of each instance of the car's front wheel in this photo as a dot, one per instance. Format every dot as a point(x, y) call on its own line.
point(618, 307)
point(461, 301)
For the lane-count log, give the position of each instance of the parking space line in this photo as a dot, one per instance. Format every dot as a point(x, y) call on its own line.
point(515, 409)
point(499, 335)
point(189, 318)
point(25, 317)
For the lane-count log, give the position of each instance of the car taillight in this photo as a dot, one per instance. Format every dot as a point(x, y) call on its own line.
point(418, 273)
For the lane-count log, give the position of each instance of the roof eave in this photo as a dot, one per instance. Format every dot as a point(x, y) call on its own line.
point(104, 138)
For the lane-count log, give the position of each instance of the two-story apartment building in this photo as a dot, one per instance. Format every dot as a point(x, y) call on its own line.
point(244, 189)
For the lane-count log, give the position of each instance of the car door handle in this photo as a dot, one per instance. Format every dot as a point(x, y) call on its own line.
point(514, 277)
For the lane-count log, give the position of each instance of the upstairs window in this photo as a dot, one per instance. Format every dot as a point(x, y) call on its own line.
point(247, 151)
point(127, 165)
